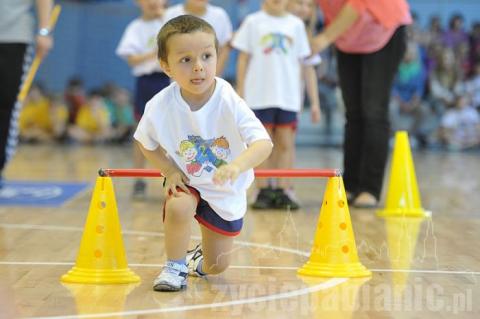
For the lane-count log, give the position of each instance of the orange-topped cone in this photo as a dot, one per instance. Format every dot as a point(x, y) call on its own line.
point(334, 252)
point(403, 198)
point(101, 257)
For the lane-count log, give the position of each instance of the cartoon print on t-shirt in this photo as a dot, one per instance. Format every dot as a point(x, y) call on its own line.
point(276, 43)
point(203, 155)
point(188, 152)
point(221, 149)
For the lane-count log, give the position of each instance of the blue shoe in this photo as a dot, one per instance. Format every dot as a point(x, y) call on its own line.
point(172, 278)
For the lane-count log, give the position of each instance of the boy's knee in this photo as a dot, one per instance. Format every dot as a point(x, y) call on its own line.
point(177, 210)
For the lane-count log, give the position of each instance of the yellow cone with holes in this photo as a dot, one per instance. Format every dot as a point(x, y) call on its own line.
point(101, 257)
point(403, 197)
point(334, 252)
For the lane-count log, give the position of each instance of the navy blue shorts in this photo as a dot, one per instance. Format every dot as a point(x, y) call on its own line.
point(206, 216)
point(146, 87)
point(276, 117)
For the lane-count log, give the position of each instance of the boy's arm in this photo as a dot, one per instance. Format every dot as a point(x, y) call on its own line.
point(312, 91)
point(135, 59)
point(174, 176)
point(253, 156)
point(242, 64)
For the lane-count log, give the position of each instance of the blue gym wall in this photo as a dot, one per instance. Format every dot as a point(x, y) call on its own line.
point(88, 32)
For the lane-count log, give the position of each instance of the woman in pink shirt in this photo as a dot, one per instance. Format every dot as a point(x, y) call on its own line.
point(370, 39)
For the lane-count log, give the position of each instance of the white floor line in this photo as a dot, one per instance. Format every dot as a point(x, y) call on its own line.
point(430, 271)
point(295, 293)
point(135, 265)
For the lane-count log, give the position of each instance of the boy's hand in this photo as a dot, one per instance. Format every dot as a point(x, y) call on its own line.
point(225, 173)
point(173, 180)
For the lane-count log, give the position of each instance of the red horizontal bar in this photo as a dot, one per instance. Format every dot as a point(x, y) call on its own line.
point(296, 172)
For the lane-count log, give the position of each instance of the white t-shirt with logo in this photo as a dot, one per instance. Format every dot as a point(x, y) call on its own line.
point(140, 37)
point(201, 141)
point(216, 16)
point(277, 47)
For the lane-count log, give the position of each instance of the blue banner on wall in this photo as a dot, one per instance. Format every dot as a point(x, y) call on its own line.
point(44, 194)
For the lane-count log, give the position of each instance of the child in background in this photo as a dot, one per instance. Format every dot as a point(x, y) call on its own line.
point(460, 127)
point(92, 123)
point(216, 16)
point(125, 120)
point(42, 119)
point(305, 10)
point(273, 45)
point(33, 121)
point(58, 117)
point(74, 97)
point(207, 163)
point(122, 118)
point(408, 112)
point(137, 47)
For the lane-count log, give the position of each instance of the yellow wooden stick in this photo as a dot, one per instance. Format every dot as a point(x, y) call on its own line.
point(37, 60)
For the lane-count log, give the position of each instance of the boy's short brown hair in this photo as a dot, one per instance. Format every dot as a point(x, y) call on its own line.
point(181, 25)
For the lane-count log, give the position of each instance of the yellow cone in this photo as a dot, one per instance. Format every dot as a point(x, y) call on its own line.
point(101, 257)
point(334, 252)
point(100, 299)
point(403, 198)
point(402, 235)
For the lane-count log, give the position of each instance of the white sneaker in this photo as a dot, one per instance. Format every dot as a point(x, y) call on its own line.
point(193, 258)
point(172, 278)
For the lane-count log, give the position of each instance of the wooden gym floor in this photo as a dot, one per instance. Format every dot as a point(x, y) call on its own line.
point(421, 268)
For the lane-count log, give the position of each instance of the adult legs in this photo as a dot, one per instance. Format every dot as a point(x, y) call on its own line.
point(377, 74)
point(349, 72)
point(12, 57)
point(366, 80)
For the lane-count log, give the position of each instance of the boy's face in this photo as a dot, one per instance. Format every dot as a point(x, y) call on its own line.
point(276, 6)
point(151, 8)
point(191, 62)
point(301, 8)
point(197, 3)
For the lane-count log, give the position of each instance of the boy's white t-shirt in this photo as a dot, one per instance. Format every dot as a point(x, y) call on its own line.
point(277, 46)
point(199, 142)
point(140, 37)
point(216, 16)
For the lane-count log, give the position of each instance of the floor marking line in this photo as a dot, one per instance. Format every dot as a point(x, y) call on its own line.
point(322, 286)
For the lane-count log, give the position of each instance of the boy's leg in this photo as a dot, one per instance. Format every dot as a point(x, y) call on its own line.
point(265, 196)
point(140, 185)
point(178, 214)
point(268, 163)
point(284, 141)
point(217, 250)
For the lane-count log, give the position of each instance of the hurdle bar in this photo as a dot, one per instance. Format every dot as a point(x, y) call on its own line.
point(290, 173)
